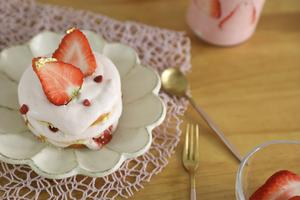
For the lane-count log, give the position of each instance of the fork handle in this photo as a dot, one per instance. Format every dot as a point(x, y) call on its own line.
point(193, 186)
point(215, 128)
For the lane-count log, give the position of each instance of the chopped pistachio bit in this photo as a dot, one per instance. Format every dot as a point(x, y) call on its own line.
point(75, 93)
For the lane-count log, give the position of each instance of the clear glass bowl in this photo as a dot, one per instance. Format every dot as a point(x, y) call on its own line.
point(264, 161)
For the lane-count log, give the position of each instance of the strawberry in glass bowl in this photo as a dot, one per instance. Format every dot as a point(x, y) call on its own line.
point(270, 172)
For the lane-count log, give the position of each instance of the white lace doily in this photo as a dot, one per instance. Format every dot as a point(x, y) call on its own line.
point(158, 48)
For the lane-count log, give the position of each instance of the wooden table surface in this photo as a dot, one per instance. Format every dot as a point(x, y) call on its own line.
point(252, 91)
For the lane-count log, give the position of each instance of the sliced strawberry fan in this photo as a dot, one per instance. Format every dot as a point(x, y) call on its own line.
point(283, 185)
point(62, 75)
point(75, 49)
point(60, 81)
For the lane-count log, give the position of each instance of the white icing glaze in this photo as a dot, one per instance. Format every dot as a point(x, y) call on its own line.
point(39, 128)
point(88, 141)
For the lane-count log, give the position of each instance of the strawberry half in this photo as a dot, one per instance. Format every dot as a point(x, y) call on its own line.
point(280, 186)
point(60, 81)
point(75, 49)
point(211, 7)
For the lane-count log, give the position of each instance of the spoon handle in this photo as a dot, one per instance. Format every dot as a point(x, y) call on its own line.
point(214, 127)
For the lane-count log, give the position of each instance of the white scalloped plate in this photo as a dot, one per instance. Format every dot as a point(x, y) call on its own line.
point(143, 110)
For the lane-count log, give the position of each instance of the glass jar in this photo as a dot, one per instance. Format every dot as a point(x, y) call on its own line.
point(224, 22)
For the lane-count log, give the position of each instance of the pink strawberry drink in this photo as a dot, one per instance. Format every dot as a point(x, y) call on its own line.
point(224, 22)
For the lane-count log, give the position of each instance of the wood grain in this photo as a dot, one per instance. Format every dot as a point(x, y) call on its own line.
point(252, 91)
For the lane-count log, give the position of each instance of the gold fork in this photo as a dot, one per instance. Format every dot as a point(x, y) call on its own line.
point(190, 156)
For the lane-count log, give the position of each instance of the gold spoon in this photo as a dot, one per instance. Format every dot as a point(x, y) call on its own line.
point(175, 83)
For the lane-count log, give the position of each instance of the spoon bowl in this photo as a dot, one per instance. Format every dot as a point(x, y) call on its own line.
point(174, 82)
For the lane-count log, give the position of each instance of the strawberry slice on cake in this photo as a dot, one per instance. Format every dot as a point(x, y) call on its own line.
point(60, 81)
point(75, 49)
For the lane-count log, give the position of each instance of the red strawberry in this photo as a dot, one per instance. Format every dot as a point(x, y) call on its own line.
point(295, 198)
point(98, 79)
point(86, 102)
point(24, 109)
point(211, 7)
point(75, 49)
point(215, 9)
point(105, 137)
point(280, 186)
point(52, 128)
point(60, 81)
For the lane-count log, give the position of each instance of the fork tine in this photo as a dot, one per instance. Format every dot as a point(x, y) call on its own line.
point(197, 146)
point(186, 142)
point(191, 146)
